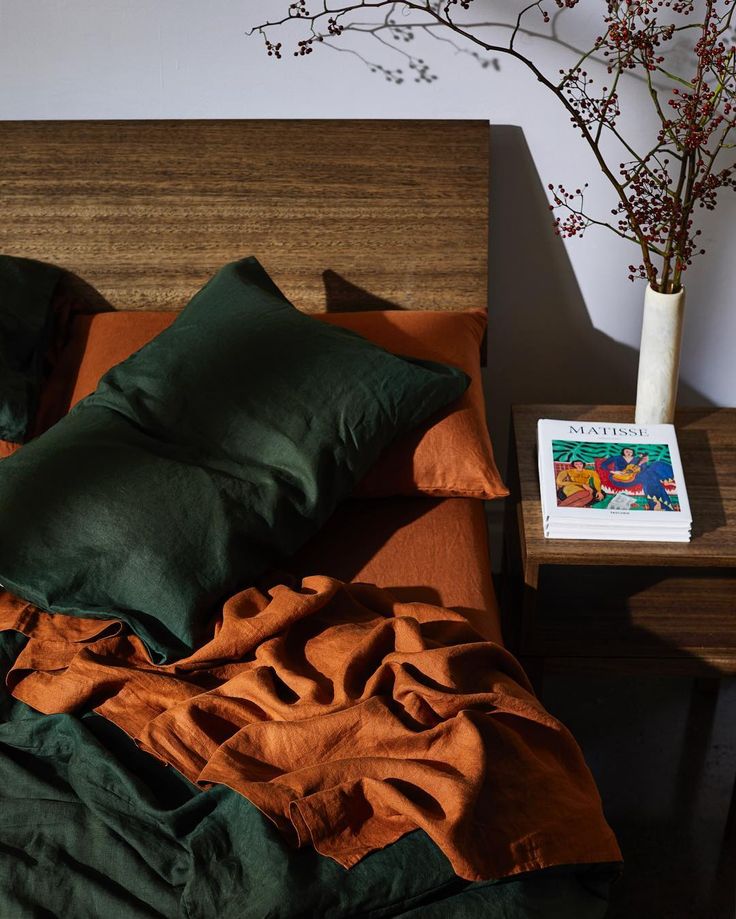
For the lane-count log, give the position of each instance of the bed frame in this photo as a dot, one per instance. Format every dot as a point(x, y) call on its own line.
point(343, 214)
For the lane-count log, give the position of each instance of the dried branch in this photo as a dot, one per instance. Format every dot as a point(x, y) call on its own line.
point(656, 191)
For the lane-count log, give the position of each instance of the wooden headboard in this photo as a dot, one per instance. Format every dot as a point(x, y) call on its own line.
point(341, 213)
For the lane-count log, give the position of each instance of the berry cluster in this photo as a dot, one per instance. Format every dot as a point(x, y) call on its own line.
point(465, 4)
point(574, 223)
point(333, 27)
point(658, 192)
point(304, 47)
point(274, 50)
point(299, 9)
point(590, 109)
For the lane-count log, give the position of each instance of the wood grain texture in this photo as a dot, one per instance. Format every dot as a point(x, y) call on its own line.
point(643, 613)
point(147, 211)
point(707, 441)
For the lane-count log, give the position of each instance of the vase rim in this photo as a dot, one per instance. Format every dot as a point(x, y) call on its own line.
point(661, 293)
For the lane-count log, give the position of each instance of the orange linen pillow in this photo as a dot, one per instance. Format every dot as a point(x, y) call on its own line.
point(449, 456)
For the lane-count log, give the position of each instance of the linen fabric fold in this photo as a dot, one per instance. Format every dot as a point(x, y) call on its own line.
point(93, 826)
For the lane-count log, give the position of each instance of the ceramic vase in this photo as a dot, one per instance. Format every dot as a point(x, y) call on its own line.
point(659, 357)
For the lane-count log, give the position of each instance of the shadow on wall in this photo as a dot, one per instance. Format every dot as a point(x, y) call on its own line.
point(542, 346)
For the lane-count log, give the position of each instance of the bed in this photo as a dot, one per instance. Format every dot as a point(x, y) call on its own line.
point(352, 218)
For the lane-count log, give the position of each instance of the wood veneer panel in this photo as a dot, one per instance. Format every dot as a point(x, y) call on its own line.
point(146, 211)
point(635, 612)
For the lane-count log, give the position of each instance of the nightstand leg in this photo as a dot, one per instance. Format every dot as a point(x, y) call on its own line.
point(723, 898)
point(696, 744)
point(730, 828)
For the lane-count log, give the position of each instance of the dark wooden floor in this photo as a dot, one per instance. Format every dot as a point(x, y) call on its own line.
point(665, 778)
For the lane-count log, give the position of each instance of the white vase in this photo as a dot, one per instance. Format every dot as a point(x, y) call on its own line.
point(659, 357)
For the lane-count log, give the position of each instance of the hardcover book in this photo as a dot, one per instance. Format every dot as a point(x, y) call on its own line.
point(612, 481)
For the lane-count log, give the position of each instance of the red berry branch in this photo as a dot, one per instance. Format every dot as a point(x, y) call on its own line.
point(657, 192)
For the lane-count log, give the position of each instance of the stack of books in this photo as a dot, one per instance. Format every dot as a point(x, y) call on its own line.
point(612, 481)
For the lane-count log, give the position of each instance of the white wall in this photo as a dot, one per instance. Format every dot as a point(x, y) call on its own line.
point(566, 321)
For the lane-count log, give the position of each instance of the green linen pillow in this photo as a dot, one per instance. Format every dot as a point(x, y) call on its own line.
point(208, 456)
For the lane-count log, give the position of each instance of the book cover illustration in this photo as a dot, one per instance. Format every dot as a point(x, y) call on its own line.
point(614, 476)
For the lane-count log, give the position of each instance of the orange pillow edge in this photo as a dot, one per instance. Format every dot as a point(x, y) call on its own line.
point(484, 483)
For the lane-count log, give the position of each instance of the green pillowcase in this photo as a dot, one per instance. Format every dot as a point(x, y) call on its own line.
point(26, 322)
point(208, 456)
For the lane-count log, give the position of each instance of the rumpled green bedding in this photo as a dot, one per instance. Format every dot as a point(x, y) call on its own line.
point(90, 826)
point(26, 324)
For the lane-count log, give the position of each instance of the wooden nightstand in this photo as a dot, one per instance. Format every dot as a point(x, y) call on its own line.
point(627, 606)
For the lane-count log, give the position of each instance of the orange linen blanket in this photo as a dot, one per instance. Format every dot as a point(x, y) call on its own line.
point(347, 717)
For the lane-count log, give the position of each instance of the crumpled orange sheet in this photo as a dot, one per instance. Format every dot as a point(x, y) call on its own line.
point(347, 717)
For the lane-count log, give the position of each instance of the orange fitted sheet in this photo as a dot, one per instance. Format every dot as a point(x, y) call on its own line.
point(421, 549)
